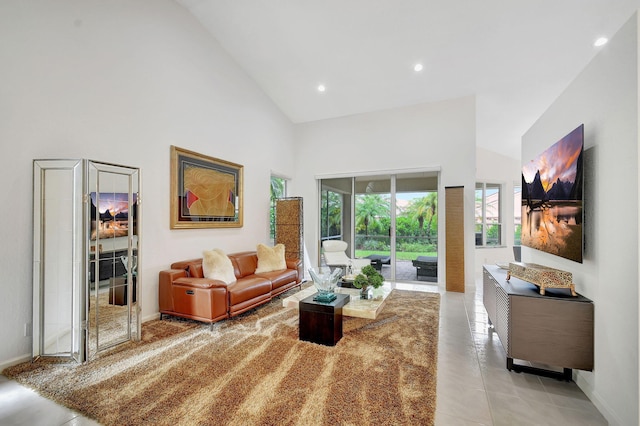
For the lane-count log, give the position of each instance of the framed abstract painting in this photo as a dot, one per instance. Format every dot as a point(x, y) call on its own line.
point(206, 192)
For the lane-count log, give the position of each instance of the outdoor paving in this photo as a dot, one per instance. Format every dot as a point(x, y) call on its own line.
point(405, 271)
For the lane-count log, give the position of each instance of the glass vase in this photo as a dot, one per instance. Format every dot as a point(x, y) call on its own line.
point(378, 293)
point(325, 281)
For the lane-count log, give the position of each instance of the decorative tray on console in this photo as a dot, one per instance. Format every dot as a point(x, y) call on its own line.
point(542, 276)
point(347, 281)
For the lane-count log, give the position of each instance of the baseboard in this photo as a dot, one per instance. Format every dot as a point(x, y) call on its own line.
point(603, 407)
point(151, 317)
point(27, 357)
point(14, 361)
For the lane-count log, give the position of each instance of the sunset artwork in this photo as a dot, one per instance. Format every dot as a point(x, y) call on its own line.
point(112, 214)
point(552, 209)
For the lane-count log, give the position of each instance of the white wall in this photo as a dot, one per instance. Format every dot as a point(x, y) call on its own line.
point(423, 136)
point(605, 98)
point(492, 167)
point(121, 81)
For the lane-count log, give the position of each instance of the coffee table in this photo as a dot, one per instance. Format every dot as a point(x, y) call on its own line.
point(361, 308)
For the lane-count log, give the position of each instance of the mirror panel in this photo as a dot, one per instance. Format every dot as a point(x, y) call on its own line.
point(58, 264)
point(85, 245)
point(113, 191)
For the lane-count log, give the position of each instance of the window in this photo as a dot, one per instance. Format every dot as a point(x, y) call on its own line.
point(331, 212)
point(488, 217)
point(278, 190)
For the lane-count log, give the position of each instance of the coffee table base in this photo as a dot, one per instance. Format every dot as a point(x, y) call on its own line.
point(321, 322)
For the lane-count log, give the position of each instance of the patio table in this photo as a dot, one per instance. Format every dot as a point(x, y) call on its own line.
point(378, 259)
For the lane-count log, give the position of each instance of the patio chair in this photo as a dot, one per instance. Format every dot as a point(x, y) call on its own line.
point(335, 256)
point(426, 266)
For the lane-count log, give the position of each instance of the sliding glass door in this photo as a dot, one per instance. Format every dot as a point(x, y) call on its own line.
point(374, 221)
point(389, 218)
point(416, 227)
point(335, 210)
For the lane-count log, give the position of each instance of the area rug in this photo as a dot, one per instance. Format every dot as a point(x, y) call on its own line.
point(253, 370)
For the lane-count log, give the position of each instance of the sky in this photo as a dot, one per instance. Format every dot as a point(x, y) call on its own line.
point(115, 202)
point(557, 162)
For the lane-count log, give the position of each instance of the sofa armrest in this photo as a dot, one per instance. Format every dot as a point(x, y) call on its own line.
point(165, 296)
point(199, 282)
point(296, 264)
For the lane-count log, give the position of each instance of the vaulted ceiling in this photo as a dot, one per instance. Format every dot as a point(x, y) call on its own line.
point(514, 56)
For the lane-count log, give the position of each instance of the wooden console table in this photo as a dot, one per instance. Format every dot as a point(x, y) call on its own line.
point(555, 329)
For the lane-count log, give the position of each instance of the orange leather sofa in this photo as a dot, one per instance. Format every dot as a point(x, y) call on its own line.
point(184, 292)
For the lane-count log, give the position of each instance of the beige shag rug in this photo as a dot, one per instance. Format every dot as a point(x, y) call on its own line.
point(253, 370)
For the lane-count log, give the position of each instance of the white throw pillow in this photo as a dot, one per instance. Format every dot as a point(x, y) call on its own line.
point(216, 265)
point(270, 258)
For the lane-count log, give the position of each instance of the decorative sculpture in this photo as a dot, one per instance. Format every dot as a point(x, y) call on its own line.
point(325, 282)
point(542, 276)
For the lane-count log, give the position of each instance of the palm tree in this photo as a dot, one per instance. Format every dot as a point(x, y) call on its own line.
point(277, 191)
point(331, 213)
point(277, 188)
point(369, 209)
point(424, 209)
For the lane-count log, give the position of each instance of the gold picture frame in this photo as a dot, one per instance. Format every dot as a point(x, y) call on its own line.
point(206, 192)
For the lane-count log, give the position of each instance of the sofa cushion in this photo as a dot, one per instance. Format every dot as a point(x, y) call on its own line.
point(184, 264)
point(195, 270)
point(247, 289)
point(270, 258)
point(216, 265)
point(245, 263)
point(279, 278)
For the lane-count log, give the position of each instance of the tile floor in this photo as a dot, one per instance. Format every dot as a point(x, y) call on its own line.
point(474, 388)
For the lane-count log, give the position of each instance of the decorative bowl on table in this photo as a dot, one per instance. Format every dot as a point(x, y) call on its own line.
point(325, 281)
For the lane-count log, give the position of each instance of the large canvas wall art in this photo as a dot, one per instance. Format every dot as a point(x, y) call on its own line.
point(552, 198)
point(206, 192)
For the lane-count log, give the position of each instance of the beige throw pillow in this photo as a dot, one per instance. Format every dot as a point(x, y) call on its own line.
point(216, 265)
point(270, 258)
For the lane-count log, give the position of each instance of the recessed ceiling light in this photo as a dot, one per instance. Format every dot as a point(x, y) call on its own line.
point(600, 42)
point(417, 67)
point(321, 88)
